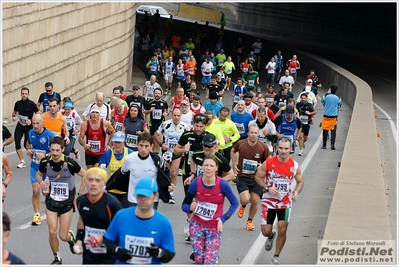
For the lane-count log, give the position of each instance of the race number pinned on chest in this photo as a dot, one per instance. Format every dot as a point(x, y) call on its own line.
point(137, 247)
point(249, 166)
point(205, 210)
point(94, 146)
point(59, 191)
point(131, 140)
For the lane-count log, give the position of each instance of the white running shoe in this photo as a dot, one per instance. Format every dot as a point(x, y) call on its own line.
point(269, 241)
point(275, 260)
point(21, 164)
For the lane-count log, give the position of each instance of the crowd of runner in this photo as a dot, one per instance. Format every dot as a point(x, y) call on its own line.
point(137, 145)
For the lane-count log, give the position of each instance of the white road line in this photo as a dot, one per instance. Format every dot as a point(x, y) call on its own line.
point(385, 79)
point(29, 224)
point(393, 128)
point(258, 245)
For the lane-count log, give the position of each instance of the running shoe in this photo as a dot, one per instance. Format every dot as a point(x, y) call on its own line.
point(165, 92)
point(171, 199)
point(275, 260)
point(250, 226)
point(179, 172)
point(72, 242)
point(77, 154)
point(323, 147)
point(269, 241)
point(21, 164)
point(240, 212)
point(37, 220)
point(300, 153)
point(332, 147)
point(56, 261)
point(169, 92)
point(188, 239)
point(192, 256)
point(218, 260)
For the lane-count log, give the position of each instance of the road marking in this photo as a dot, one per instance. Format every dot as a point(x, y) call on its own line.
point(258, 245)
point(388, 80)
point(393, 128)
point(29, 224)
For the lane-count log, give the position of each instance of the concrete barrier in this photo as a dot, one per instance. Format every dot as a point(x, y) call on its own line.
point(359, 208)
point(199, 13)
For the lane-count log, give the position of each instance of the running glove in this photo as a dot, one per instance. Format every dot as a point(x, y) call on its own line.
point(123, 254)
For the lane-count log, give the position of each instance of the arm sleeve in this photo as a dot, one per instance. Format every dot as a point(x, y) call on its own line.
point(226, 190)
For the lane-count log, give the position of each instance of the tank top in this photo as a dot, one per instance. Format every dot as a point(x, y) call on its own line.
point(195, 111)
point(53, 125)
point(115, 164)
point(177, 102)
point(119, 118)
point(279, 175)
point(288, 128)
point(210, 203)
point(96, 139)
point(62, 183)
point(46, 100)
point(292, 66)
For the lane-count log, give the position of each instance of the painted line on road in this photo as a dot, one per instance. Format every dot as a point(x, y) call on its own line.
point(29, 224)
point(385, 79)
point(393, 127)
point(258, 245)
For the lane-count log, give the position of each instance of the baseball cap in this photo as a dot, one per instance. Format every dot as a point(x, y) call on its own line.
point(136, 87)
point(118, 137)
point(146, 186)
point(95, 109)
point(219, 74)
point(309, 80)
point(213, 95)
point(68, 104)
point(307, 89)
point(289, 111)
point(209, 140)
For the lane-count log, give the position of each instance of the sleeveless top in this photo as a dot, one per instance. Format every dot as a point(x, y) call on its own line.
point(96, 139)
point(53, 125)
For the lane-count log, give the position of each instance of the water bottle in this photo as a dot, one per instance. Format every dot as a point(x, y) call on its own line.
point(47, 182)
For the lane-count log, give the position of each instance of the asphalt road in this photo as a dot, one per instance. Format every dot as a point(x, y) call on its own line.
point(239, 246)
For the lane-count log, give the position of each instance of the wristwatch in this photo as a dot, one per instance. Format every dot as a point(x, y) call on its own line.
point(266, 189)
point(5, 184)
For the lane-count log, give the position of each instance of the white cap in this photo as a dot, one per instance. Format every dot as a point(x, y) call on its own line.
point(310, 80)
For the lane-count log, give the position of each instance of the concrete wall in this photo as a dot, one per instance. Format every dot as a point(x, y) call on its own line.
point(80, 47)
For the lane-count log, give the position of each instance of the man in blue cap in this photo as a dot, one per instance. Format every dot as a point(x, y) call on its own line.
point(151, 240)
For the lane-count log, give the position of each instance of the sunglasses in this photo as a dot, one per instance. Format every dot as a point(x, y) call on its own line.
point(49, 90)
point(200, 118)
point(208, 146)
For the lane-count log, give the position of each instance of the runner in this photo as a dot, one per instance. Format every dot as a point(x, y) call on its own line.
point(169, 69)
point(151, 240)
point(170, 131)
point(8, 138)
point(239, 92)
point(134, 125)
point(46, 96)
point(229, 131)
point(6, 174)
point(293, 66)
point(241, 118)
point(251, 79)
point(55, 121)
point(289, 126)
point(118, 115)
point(206, 230)
point(113, 159)
point(95, 130)
point(37, 149)
point(251, 154)
point(148, 88)
point(229, 67)
point(276, 176)
point(93, 221)
point(60, 205)
point(105, 109)
point(267, 129)
point(136, 98)
point(25, 109)
point(73, 123)
point(306, 111)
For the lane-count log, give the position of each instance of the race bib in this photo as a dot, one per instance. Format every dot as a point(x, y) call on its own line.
point(22, 120)
point(59, 191)
point(137, 247)
point(229, 70)
point(131, 140)
point(172, 142)
point(94, 146)
point(200, 171)
point(249, 166)
point(251, 82)
point(47, 108)
point(239, 50)
point(220, 61)
point(153, 68)
point(157, 114)
point(245, 69)
point(304, 119)
point(180, 72)
point(70, 124)
point(281, 104)
point(292, 70)
point(282, 186)
point(89, 231)
point(240, 127)
point(37, 151)
point(190, 157)
point(205, 210)
point(118, 126)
